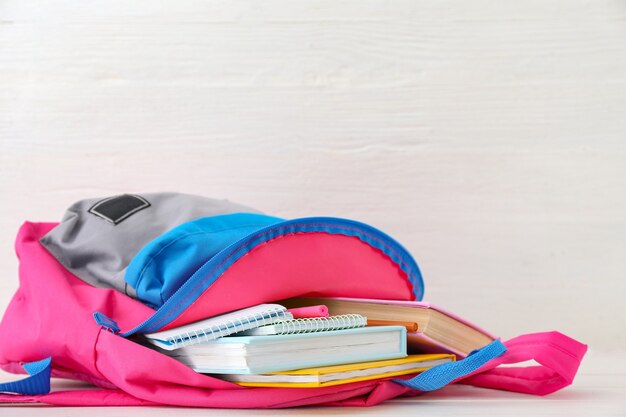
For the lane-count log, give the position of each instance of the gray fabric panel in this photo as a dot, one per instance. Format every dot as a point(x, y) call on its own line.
point(98, 251)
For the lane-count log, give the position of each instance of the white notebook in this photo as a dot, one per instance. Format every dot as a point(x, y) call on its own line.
point(219, 326)
point(309, 325)
point(264, 354)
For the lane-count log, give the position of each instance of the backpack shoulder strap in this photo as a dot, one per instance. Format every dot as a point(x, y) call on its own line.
point(558, 356)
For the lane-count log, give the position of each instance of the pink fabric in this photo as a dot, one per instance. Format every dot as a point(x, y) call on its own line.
point(314, 264)
point(51, 315)
point(558, 355)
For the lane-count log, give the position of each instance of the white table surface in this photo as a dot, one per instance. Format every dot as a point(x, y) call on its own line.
point(599, 390)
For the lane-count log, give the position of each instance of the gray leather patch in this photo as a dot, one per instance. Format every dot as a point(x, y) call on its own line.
point(118, 208)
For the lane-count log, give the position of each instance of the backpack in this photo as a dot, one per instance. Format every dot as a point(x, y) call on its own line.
point(59, 325)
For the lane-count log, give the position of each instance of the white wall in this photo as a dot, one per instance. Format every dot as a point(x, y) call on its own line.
point(487, 137)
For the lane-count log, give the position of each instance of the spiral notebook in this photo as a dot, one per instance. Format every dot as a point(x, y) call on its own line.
point(309, 325)
point(219, 326)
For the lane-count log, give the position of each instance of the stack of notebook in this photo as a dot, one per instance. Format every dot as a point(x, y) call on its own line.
point(265, 346)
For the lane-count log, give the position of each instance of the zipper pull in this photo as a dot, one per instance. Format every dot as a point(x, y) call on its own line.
point(106, 322)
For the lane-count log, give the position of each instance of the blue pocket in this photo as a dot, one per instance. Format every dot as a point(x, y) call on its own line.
point(163, 265)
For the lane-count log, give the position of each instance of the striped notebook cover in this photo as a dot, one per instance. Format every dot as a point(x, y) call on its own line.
point(309, 325)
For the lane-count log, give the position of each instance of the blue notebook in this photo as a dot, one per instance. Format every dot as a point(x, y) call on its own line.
point(264, 354)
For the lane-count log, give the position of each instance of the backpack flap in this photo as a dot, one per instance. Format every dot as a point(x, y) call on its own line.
point(315, 256)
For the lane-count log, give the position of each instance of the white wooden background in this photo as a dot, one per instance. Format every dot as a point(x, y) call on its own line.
point(487, 137)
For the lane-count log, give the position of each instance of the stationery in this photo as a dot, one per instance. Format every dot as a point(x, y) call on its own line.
point(326, 376)
point(219, 326)
point(309, 325)
point(438, 330)
point(264, 354)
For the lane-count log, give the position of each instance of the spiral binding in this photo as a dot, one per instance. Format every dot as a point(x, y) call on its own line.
point(320, 324)
point(229, 327)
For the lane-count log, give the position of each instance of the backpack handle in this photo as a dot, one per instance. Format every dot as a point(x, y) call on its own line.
point(559, 357)
point(446, 373)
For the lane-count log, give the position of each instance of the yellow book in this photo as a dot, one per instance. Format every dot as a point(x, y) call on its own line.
point(326, 376)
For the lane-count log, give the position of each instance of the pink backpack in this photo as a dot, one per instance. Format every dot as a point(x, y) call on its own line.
point(49, 328)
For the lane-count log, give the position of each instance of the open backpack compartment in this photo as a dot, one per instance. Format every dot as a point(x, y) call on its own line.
point(174, 259)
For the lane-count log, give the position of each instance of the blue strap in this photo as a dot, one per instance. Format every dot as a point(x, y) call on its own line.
point(39, 380)
point(441, 375)
point(37, 383)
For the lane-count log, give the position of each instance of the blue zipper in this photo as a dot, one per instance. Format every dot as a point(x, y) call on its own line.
point(208, 273)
